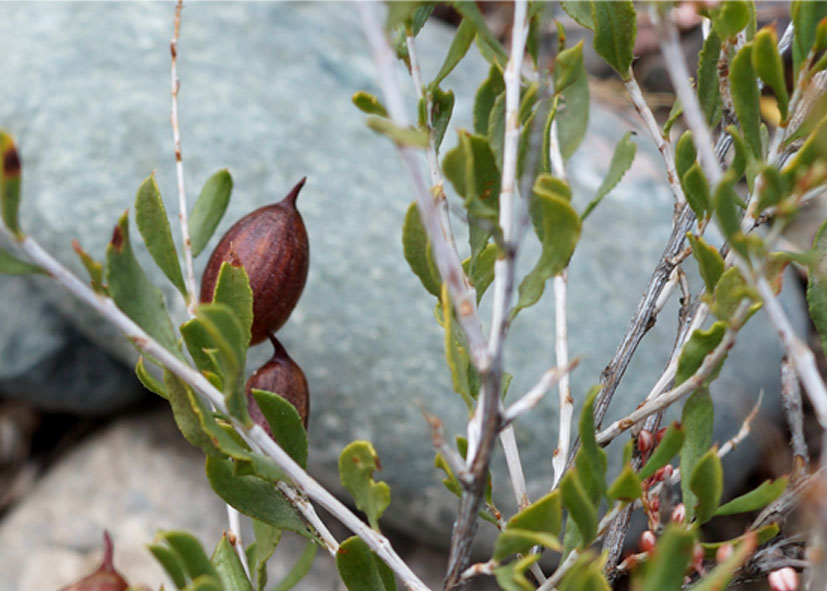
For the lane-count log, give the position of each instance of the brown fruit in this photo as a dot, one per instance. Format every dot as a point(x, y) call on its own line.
point(106, 578)
point(271, 244)
point(283, 376)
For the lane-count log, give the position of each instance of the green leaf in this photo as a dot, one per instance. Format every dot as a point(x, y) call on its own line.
point(441, 109)
point(709, 94)
point(581, 510)
point(758, 498)
point(357, 464)
point(580, 11)
point(772, 189)
point(252, 496)
point(285, 424)
point(720, 576)
point(699, 345)
point(745, 97)
point(685, 153)
point(209, 208)
point(459, 47)
point(763, 535)
point(153, 224)
point(300, 568)
point(710, 262)
point(707, 483)
point(697, 419)
point(805, 16)
point(560, 232)
point(229, 568)
point(11, 265)
point(368, 103)
point(615, 29)
point(666, 568)
point(511, 576)
point(190, 553)
point(189, 412)
point(134, 293)
point(669, 445)
point(482, 273)
point(726, 210)
point(675, 112)
point(814, 149)
point(591, 460)
point(473, 172)
point(496, 130)
point(450, 481)
point(622, 159)
point(417, 251)
point(519, 541)
point(728, 18)
point(361, 569)
point(171, 564)
point(729, 291)
point(204, 583)
point(93, 267)
point(574, 118)
point(232, 288)
point(568, 66)
point(767, 63)
point(817, 285)
point(626, 486)
point(149, 381)
point(487, 93)
point(492, 49)
point(543, 515)
point(10, 180)
point(258, 553)
point(696, 188)
point(742, 156)
point(404, 136)
point(586, 574)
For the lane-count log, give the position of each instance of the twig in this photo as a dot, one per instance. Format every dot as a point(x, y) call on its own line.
point(301, 503)
point(179, 166)
point(451, 455)
point(531, 398)
point(551, 582)
point(693, 383)
point(255, 435)
point(237, 541)
point(791, 403)
point(664, 147)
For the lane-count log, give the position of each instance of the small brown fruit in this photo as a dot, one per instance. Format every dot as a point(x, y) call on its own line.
point(271, 244)
point(283, 376)
point(106, 578)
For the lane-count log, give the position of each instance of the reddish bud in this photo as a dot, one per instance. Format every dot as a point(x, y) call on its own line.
point(723, 552)
point(659, 434)
point(283, 376)
point(698, 557)
point(679, 513)
point(783, 579)
point(106, 578)
point(645, 441)
point(654, 504)
point(647, 540)
point(667, 471)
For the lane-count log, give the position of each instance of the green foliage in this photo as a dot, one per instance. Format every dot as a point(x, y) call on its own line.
point(259, 552)
point(805, 16)
point(229, 568)
point(487, 94)
point(93, 267)
point(710, 262)
point(300, 568)
point(185, 560)
point(581, 510)
point(728, 18)
point(615, 30)
point(417, 251)
point(745, 97)
point(767, 64)
point(11, 265)
point(285, 424)
point(232, 288)
point(696, 188)
point(404, 136)
point(585, 575)
point(209, 208)
point(626, 487)
point(10, 180)
point(709, 95)
point(817, 286)
point(669, 445)
point(573, 120)
point(456, 353)
point(134, 293)
point(720, 576)
point(361, 569)
point(368, 103)
point(357, 464)
point(622, 159)
point(441, 109)
point(511, 577)
point(707, 483)
point(730, 290)
point(580, 11)
point(666, 568)
point(697, 420)
point(537, 524)
point(763, 495)
point(459, 47)
point(685, 153)
point(490, 47)
point(568, 67)
point(153, 224)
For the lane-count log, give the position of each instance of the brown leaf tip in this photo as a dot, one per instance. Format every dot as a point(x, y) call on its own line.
point(11, 162)
point(117, 239)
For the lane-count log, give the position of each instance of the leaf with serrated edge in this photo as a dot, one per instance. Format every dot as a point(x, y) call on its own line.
point(696, 188)
point(153, 224)
point(362, 570)
point(229, 568)
point(621, 161)
point(729, 291)
point(285, 424)
point(253, 496)
point(357, 463)
point(669, 445)
point(615, 29)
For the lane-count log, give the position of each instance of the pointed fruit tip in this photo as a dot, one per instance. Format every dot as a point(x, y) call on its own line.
point(291, 197)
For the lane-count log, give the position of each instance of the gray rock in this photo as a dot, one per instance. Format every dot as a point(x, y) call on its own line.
point(266, 92)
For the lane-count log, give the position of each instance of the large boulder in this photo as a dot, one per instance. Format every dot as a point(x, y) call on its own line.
point(266, 92)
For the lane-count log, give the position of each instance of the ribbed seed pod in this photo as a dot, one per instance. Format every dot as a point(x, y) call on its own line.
point(283, 376)
point(271, 244)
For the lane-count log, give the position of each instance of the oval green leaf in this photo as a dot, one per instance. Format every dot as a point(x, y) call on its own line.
point(209, 208)
point(361, 569)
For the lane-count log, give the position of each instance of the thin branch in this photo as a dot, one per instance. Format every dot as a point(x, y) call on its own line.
point(659, 403)
point(179, 166)
point(791, 403)
point(235, 537)
point(449, 453)
point(566, 402)
point(255, 435)
point(304, 506)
